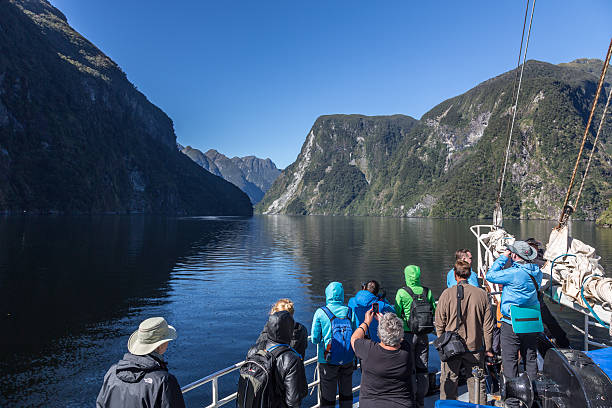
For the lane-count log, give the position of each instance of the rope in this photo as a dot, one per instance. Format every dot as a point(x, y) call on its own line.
point(603, 117)
point(501, 183)
point(516, 76)
point(564, 212)
point(589, 306)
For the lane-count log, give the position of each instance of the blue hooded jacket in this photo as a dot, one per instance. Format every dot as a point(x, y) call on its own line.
point(518, 287)
point(361, 303)
point(321, 326)
point(451, 281)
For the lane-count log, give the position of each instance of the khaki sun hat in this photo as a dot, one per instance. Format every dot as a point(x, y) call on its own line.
point(151, 334)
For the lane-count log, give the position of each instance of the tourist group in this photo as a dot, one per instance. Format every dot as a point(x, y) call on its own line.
point(388, 342)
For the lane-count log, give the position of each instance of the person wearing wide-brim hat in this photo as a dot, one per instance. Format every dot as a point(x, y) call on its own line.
point(520, 281)
point(141, 378)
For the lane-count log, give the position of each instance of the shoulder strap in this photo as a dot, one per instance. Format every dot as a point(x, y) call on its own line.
point(409, 291)
point(459, 297)
point(349, 313)
point(329, 313)
point(534, 283)
point(280, 351)
point(538, 294)
point(425, 291)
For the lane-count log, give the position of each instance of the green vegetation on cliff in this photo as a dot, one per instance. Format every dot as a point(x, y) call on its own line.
point(448, 163)
point(606, 217)
point(76, 136)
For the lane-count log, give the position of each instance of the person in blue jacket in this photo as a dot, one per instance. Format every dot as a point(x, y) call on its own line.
point(466, 256)
point(363, 301)
point(333, 376)
point(518, 289)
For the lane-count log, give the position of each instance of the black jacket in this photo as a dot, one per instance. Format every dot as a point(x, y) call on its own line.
point(140, 381)
point(290, 381)
point(299, 340)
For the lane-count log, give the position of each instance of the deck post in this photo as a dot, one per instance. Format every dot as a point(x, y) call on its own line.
point(215, 391)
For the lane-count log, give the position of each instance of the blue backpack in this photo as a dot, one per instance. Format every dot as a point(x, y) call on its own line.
point(338, 351)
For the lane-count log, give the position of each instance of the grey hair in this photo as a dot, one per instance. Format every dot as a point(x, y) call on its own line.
point(390, 330)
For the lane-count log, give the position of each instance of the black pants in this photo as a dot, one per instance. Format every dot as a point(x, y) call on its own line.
point(511, 343)
point(419, 346)
point(336, 377)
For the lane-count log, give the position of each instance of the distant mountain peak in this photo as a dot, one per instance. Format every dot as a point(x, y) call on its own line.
point(252, 175)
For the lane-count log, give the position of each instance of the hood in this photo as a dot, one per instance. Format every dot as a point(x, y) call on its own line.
point(365, 298)
point(334, 293)
point(412, 273)
point(280, 327)
point(132, 368)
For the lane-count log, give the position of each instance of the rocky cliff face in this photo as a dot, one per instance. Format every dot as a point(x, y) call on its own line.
point(76, 135)
point(252, 175)
point(448, 163)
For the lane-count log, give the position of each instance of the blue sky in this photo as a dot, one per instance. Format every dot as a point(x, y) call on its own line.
point(247, 77)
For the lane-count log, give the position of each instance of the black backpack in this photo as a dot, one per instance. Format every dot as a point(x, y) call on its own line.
point(421, 313)
point(257, 382)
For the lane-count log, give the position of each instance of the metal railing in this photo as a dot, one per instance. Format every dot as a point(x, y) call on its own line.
point(486, 259)
point(214, 379)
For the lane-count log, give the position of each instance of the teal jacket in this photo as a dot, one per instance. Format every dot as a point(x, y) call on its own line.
point(403, 300)
point(518, 287)
point(321, 326)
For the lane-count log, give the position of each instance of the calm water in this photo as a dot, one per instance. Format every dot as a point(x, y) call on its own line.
point(72, 289)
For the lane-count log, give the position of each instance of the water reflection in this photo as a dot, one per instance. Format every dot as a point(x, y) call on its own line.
point(72, 289)
point(67, 285)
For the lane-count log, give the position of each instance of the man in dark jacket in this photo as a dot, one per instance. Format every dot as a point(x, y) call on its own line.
point(291, 385)
point(141, 378)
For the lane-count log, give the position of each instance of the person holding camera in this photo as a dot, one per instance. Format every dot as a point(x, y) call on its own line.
point(521, 283)
point(364, 300)
point(464, 309)
point(386, 367)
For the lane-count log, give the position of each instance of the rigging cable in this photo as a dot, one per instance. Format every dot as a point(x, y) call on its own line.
point(586, 171)
point(567, 210)
point(503, 176)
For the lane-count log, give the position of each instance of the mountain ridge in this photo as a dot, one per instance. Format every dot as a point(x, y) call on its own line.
point(252, 175)
point(77, 137)
point(447, 163)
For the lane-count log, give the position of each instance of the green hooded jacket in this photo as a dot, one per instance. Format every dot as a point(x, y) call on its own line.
point(403, 300)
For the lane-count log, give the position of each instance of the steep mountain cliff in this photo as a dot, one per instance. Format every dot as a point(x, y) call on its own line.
point(252, 175)
point(448, 163)
point(76, 135)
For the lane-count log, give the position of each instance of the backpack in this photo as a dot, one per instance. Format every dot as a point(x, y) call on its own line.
point(421, 312)
point(338, 351)
point(258, 378)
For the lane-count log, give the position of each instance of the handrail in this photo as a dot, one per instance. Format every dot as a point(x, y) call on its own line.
point(494, 289)
point(214, 377)
point(588, 313)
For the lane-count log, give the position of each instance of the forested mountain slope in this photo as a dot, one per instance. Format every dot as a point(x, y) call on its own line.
point(77, 137)
point(448, 163)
